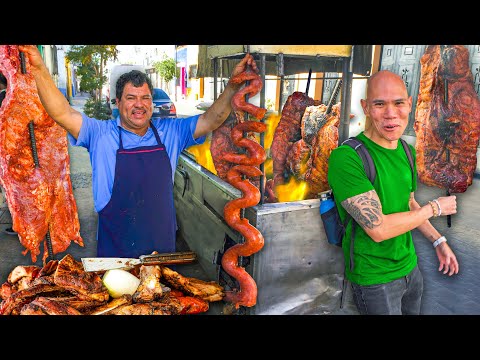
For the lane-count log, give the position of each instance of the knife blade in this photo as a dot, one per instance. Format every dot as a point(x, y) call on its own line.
point(91, 264)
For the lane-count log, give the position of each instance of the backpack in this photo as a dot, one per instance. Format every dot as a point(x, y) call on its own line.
point(334, 227)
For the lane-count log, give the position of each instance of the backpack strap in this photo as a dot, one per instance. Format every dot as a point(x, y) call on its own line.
point(408, 151)
point(367, 160)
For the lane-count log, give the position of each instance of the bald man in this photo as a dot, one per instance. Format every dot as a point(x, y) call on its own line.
point(380, 261)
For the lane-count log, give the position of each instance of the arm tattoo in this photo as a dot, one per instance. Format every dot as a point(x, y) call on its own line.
point(365, 208)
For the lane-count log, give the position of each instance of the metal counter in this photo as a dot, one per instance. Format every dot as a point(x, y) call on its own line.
point(296, 272)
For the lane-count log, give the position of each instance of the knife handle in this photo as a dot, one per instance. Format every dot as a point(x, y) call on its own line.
point(168, 258)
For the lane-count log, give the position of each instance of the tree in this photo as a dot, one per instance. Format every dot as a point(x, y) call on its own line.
point(91, 61)
point(166, 68)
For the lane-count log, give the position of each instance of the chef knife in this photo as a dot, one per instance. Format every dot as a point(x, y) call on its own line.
point(109, 263)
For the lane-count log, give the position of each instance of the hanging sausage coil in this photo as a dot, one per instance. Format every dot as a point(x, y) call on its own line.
point(246, 166)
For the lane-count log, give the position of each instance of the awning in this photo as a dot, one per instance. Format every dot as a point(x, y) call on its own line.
point(297, 59)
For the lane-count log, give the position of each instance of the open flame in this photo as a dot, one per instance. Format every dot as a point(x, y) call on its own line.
point(294, 190)
point(203, 156)
point(272, 122)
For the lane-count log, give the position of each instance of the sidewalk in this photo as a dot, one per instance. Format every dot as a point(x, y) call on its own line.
point(79, 100)
point(186, 108)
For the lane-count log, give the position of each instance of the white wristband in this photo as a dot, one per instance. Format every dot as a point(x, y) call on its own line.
point(439, 241)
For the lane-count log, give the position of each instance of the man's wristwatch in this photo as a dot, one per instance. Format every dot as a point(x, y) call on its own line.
point(439, 241)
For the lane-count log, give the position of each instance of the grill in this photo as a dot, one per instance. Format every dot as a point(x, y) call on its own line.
point(297, 271)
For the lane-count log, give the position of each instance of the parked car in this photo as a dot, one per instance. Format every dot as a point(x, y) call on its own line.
point(163, 105)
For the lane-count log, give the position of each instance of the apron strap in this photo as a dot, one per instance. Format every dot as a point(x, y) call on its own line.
point(120, 147)
point(155, 132)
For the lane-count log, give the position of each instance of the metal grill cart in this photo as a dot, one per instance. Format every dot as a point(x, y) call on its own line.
point(297, 271)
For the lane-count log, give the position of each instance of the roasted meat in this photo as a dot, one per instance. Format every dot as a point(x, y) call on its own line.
point(207, 290)
point(240, 175)
point(106, 308)
point(84, 306)
point(312, 121)
point(188, 304)
point(30, 271)
point(222, 143)
point(21, 297)
point(86, 285)
point(447, 119)
point(40, 197)
point(150, 288)
point(48, 306)
point(297, 157)
point(152, 308)
point(287, 132)
point(324, 142)
point(65, 289)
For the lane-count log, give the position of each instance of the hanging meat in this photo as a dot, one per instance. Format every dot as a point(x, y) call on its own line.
point(323, 143)
point(297, 157)
point(287, 132)
point(39, 196)
point(447, 119)
point(246, 166)
point(222, 143)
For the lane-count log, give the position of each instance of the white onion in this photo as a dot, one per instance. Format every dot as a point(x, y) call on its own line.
point(120, 282)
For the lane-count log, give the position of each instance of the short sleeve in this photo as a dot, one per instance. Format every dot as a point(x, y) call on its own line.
point(346, 174)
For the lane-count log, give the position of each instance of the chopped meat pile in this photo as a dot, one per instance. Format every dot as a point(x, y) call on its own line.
point(39, 193)
point(64, 288)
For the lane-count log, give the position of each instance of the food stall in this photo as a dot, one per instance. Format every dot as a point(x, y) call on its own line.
point(297, 271)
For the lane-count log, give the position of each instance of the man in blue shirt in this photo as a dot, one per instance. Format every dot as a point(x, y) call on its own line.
point(133, 157)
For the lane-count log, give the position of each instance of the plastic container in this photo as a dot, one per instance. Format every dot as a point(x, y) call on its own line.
point(334, 228)
point(326, 202)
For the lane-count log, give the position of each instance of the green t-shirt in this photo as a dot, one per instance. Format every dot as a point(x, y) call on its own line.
point(375, 263)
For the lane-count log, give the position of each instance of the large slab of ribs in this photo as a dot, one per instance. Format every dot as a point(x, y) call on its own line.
point(39, 196)
point(447, 119)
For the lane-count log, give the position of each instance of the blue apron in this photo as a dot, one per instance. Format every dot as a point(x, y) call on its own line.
point(140, 216)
